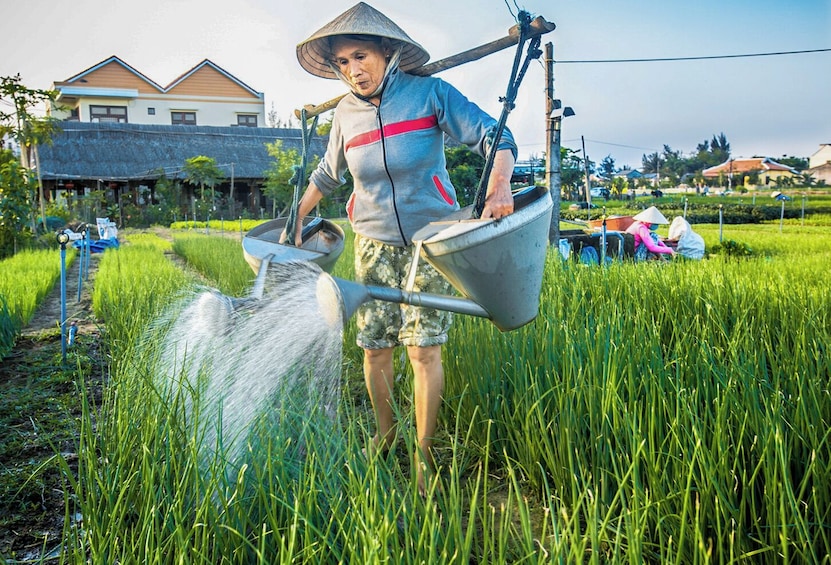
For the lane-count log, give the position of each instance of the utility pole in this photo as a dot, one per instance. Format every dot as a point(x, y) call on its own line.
point(231, 197)
point(553, 176)
point(586, 170)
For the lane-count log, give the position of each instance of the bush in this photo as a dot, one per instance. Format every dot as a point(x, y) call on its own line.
point(731, 248)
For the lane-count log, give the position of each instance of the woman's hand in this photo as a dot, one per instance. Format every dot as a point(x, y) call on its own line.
point(298, 240)
point(499, 202)
point(310, 198)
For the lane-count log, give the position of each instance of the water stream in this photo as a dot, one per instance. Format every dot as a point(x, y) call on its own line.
point(254, 364)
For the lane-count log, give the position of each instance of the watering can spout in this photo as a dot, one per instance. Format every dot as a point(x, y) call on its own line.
point(352, 294)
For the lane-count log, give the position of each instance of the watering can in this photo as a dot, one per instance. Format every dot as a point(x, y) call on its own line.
point(496, 265)
point(322, 243)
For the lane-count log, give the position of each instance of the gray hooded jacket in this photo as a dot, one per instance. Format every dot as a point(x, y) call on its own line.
point(395, 153)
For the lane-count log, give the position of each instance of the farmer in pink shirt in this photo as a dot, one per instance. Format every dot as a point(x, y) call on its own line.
point(647, 242)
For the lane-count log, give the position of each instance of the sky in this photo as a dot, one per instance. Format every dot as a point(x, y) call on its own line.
point(766, 105)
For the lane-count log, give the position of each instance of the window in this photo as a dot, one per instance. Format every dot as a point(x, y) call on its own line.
point(247, 120)
point(151, 111)
point(117, 114)
point(74, 115)
point(183, 118)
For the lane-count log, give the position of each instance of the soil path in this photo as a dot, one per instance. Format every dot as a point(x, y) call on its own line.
point(48, 314)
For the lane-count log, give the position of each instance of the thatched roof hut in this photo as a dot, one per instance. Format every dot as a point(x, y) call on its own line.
point(141, 152)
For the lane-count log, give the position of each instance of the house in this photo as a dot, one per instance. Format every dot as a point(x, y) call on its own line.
point(629, 174)
point(769, 171)
point(121, 131)
point(821, 157)
point(128, 158)
point(821, 173)
point(113, 91)
point(820, 164)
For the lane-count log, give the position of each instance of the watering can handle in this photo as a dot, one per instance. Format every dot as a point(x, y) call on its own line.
point(517, 74)
point(300, 178)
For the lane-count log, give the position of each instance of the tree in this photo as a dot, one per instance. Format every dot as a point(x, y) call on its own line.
point(806, 179)
point(673, 165)
point(619, 186)
point(797, 163)
point(203, 171)
point(607, 167)
point(25, 128)
point(168, 193)
point(465, 169)
point(571, 172)
point(720, 148)
point(272, 118)
point(650, 164)
point(15, 203)
point(278, 184)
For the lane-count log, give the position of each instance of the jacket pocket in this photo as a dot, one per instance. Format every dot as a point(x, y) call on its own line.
point(350, 206)
point(442, 190)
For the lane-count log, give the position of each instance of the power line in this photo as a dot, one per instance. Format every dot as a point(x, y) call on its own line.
point(699, 58)
point(614, 144)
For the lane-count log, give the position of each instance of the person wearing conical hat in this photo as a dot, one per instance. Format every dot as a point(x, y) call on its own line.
point(646, 241)
point(389, 132)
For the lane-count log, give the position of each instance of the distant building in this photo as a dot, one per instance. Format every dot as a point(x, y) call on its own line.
point(127, 158)
point(821, 157)
point(114, 92)
point(820, 164)
point(121, 132)
point(769, 170)
point(629, 174)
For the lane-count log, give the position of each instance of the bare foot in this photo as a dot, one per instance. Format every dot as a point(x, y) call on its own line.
point(425, 477)
point(375, 445)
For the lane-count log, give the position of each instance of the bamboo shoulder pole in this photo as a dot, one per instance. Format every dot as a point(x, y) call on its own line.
point(538, 27)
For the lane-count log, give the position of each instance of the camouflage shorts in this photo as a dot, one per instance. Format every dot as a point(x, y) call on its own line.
point(387, 324)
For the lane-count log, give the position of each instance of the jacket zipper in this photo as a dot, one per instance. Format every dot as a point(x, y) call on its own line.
point(389, 176)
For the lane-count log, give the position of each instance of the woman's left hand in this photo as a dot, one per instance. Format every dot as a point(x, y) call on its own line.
point(499, 204)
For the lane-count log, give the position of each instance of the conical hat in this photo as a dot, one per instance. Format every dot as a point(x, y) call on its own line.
point(361, 19)
point(651, 216)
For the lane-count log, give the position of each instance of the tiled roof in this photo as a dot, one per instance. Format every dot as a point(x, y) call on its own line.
point(759, 164)
point(179, 79)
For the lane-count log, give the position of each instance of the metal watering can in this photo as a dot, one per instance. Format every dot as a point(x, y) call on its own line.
point(496, 265)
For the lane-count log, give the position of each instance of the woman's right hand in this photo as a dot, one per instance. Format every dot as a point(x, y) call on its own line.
point(298, 240)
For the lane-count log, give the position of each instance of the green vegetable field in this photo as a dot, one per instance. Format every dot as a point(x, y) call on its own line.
point(658, 412)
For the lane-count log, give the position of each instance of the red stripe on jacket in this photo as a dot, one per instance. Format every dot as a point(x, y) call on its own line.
point(390, 130)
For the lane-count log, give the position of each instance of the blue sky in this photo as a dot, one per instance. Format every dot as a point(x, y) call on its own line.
point(772, 106)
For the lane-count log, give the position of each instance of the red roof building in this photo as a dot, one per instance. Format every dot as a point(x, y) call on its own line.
point(768, 169)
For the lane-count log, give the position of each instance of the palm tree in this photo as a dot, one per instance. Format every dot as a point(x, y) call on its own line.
point(203, 171)
point(807, 179)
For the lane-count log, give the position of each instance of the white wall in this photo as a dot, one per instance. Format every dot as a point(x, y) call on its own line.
point(822, 156)
point(210, 111)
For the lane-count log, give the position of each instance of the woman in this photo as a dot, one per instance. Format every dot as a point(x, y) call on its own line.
point(647, 241)
point(389, 132)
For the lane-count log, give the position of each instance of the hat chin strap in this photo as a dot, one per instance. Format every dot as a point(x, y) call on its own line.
point(392, 66)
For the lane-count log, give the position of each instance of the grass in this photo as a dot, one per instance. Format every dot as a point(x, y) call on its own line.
point(218, 258)
point(671, 407)
point(25, 280)
point(652, 413)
